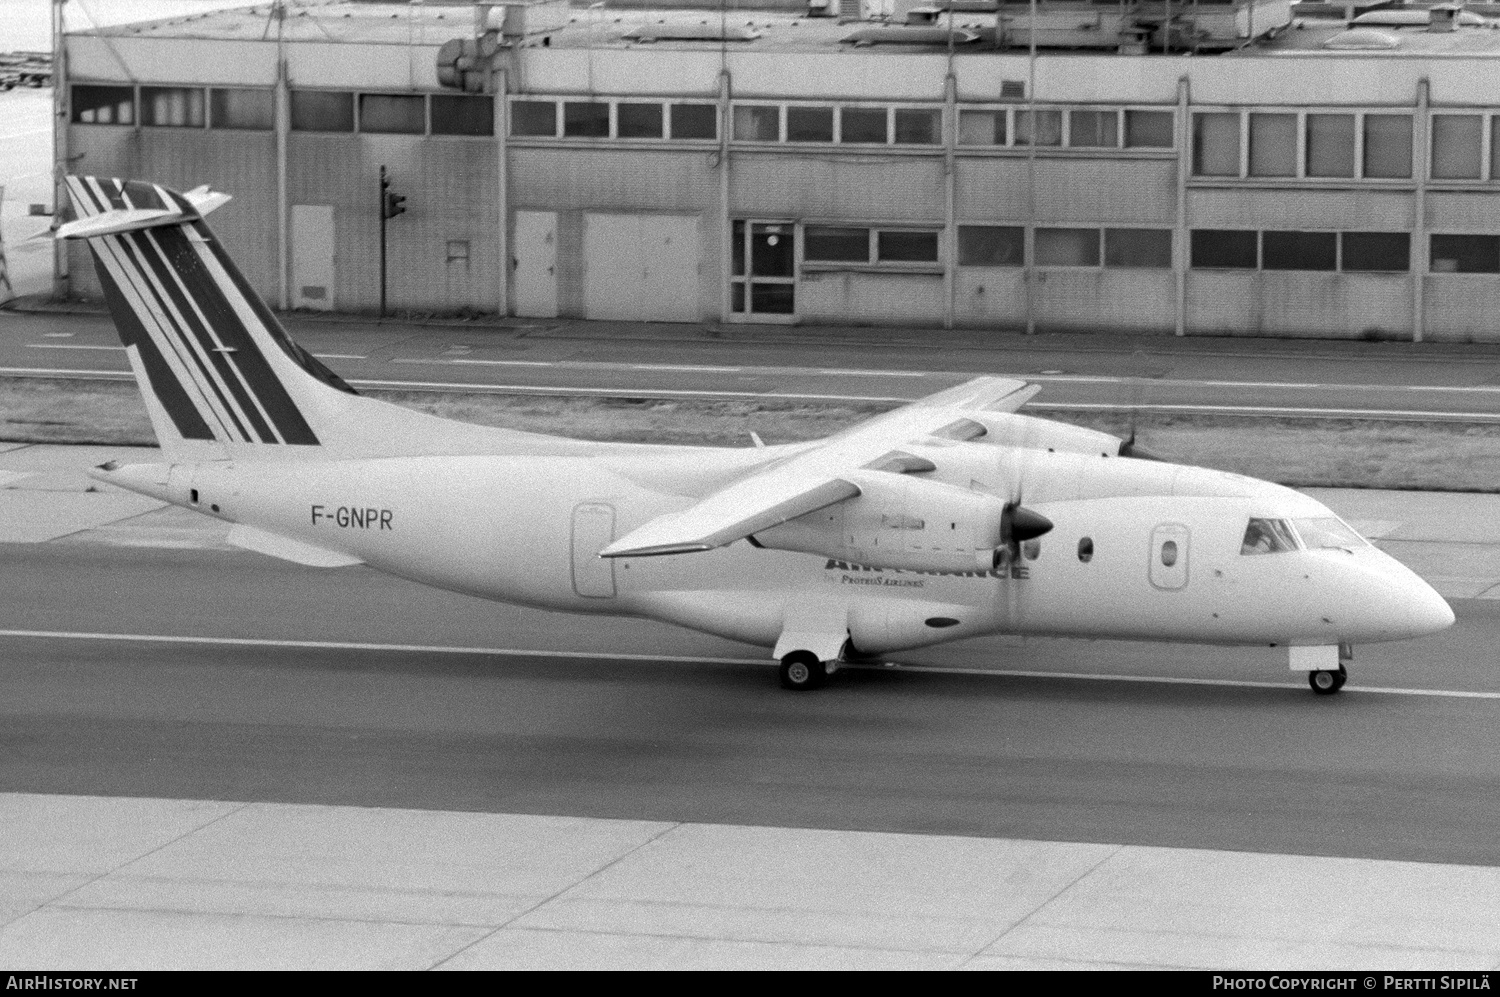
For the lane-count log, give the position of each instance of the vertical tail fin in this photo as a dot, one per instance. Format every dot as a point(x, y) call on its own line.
point(220, 376)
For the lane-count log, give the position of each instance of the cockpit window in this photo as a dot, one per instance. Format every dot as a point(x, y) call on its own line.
point(1268, 536)
point(1328, 532)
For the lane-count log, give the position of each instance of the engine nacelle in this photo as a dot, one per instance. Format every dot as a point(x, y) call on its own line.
point(1010, 429)
point(898, 521)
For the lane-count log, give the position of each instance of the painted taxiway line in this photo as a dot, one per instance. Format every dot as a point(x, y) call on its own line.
point(511, 652)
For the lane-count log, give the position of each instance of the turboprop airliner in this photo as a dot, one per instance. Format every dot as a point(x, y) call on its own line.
point(952, 517)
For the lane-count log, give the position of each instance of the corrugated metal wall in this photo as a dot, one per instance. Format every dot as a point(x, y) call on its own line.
point(870, 298)
point(1097, 191)
point(837, 186)
point(1295, 304)
point(451, 196)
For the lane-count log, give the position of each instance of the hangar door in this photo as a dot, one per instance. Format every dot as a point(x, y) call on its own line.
point(640, 267)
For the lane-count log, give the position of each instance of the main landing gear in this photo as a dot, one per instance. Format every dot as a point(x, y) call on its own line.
point(1326, 683)
point(801, 671)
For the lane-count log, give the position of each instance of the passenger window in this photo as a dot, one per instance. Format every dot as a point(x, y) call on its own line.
point(1268, 536)
point(1169, 552)
point(1086, 550)
point(1032, 549)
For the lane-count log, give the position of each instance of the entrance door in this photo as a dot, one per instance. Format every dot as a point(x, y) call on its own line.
point(535, 245)
point(593, 530)
point(1169, 556)
point(763, 286)
point(312, 256)
point(641, 268)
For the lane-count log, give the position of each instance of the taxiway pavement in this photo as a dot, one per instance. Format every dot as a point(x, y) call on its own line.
point(596, 792)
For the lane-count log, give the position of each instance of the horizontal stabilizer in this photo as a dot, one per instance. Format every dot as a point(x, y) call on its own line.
point(273, 545)
point(181, 209)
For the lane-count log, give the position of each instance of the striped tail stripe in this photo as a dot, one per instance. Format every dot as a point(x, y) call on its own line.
point(182, 306)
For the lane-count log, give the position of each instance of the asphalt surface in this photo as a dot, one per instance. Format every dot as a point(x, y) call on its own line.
point(1079, 372)
point(1242, 767)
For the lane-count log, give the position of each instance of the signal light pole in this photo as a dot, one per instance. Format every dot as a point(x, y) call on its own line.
point(391, 205)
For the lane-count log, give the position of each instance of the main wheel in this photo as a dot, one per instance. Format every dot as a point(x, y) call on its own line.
point(1326, 683)
point(802, 671)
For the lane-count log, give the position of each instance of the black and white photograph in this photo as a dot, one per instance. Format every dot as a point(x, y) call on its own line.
point(751, 485)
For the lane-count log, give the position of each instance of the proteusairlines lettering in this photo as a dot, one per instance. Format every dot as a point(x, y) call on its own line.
point(185, 312)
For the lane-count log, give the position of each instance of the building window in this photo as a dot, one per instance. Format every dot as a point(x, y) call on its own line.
point(533, 118)
point(232, 107)
point(1149, 248)
point(919, 126)
point(981, 127)
point(103, 105)
point(1093, 129)
point(1067, 247)
point(757, 123)
point(1376, 252)
point(456, 115)
point(1387, 146)
point(991, 246)
point(322, 111)
point(1330, 145)
point(1456, 141)
point(172, 107)
point(1216, 144)
point(585, 119)
point(1038, 127)
point(906, 246)
point(1466, 254)
point(809, 124)
point(634, 120)
point(1299, 251)
point(392, 114)
point(695, 121)
point(863, 125)
point(1273, 145)
point(1148, 130)
point(829, 244)
point(1494, 144)
point(1224, 249)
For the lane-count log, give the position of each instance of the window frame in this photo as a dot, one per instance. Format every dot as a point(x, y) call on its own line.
point(872, 263)
point(1302, 175)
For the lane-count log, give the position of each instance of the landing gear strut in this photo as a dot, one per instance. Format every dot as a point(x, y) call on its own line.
point(1326, 683)
point(801, 671)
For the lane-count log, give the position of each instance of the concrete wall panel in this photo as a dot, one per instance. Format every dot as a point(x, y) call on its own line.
point(1099, 191)
point(870, 298)
point(853, 188)
point(1324, 305)
point(1301, 209)
point(1463, 308)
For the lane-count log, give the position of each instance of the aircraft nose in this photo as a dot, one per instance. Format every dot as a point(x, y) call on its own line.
point(1402, 604)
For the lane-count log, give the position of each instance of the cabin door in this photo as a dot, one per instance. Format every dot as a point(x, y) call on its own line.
point(593, 530)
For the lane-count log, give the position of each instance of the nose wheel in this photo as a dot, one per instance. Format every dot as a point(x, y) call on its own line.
point(1326, 683)
point(801, 671)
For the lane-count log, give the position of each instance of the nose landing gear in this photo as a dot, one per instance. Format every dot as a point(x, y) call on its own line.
point(1326, 683)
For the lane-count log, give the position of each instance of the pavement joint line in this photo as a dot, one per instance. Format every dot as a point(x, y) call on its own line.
point(701, 659)
point(1046, 903)
point(670, 826)
point(234, 808)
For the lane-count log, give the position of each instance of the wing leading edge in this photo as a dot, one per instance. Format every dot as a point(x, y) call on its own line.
point(822, 476)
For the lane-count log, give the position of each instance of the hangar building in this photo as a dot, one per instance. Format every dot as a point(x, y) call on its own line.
point(1198, 168)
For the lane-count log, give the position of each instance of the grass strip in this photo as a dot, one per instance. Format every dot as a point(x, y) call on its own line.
point(1339, 453)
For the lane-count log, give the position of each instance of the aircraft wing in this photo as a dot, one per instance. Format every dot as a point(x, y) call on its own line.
point(824, 475)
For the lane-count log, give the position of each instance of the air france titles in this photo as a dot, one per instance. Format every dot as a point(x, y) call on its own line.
point(352, 517)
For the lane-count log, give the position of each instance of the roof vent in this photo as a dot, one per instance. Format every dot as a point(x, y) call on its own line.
point(692, 33)
point(1363, 40)
point(909, 35)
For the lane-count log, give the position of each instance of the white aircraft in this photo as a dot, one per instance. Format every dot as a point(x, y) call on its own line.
point(949, 518)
